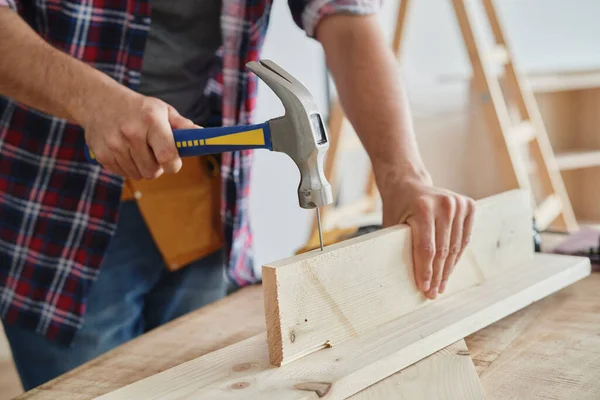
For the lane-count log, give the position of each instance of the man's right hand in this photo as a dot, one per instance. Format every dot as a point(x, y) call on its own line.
point(131, 135)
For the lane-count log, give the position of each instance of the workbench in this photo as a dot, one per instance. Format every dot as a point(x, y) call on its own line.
point(549, 350)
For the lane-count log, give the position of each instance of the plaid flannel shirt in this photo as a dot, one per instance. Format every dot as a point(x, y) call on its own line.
point(58, 212)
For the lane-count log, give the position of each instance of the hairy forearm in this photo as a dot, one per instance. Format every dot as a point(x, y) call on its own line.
point(36, 74)
point(371, 92)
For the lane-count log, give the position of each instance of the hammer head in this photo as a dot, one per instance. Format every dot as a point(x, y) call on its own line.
point(300, 133)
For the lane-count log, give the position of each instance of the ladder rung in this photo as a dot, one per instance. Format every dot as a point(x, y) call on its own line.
point(576, 159)
point(523, 132)
point(547, 211)
point(499, 54)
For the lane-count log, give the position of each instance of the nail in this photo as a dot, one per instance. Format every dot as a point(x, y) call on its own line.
point(426, 285)
point(434, 293)
point(443, 286)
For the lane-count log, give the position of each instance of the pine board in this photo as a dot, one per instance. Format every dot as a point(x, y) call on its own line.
point(448, 374)
point(318, 299)
point(243, 371)
point(550, 352)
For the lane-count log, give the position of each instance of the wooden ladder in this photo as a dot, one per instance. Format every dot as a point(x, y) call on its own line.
point(552, 205)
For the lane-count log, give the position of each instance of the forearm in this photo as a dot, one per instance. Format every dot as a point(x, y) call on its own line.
point(373, 97)
point(40, 76)
point(371, 92)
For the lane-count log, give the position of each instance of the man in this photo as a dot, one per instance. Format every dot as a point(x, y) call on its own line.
point(72, 72)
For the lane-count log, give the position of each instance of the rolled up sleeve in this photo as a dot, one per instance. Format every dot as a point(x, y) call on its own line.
point(308, 13)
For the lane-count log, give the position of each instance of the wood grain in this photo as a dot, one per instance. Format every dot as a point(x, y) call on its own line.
point(551, 351)
point(243, 370)
point(319, 299)
point(448, 374)
point(242, 315)
point(217, 325)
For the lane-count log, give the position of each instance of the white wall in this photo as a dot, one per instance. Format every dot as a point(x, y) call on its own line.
point(544, 34)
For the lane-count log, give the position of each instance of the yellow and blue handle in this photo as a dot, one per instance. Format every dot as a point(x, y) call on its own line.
point(203, 141)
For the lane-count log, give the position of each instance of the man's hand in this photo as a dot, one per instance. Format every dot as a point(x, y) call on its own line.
point(131, 134)
point(441, 223)
point(373, 96)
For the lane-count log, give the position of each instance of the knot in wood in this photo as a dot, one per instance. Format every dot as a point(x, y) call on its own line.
point(240, 385)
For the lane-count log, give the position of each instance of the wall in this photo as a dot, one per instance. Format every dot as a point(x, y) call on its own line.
point(545, 35)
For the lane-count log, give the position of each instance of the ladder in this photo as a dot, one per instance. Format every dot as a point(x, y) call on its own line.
point(552, 207)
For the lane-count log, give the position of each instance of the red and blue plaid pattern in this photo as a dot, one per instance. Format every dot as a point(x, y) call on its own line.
point(57, 212)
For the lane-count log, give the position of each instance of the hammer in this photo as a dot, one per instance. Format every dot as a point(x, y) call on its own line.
point(300, 133)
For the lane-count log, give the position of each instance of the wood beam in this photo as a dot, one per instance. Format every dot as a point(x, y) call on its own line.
point(448, 374)
point(320, 299)
point(243, 371)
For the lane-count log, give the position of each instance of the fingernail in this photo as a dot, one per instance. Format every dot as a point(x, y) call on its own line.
point(433, 293)
point(443, 287)
point(158, 173)
point(426, 285)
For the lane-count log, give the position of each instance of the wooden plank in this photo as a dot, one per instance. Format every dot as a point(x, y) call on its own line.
point(222, 323)
point(243, 371)
point(554, 353)
point(241, 315)
point(10, 384)
point(448, 374)
point(320, 299)
point(488, 344)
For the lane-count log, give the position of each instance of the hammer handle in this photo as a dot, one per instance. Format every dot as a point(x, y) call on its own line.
point(202, 141)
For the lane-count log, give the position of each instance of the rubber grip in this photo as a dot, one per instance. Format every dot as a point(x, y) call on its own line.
point(203, 141)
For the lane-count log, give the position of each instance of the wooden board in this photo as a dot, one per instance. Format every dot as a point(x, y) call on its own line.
point(240, 316)
point(550, 351)
point(320, 299)
point(448, 374)
point(225, 322)
point(243, 369)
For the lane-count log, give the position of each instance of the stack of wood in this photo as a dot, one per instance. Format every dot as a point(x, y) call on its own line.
point(348, 321)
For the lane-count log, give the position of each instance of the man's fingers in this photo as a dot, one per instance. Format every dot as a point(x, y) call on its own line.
point(125, 162)
point(145, 162)
point(179, 122)
point(111, 165)
point(455, 242)
point(160, 139)
point(140, 152)
point(467, 226)
point(423, 250)
point(443, 229)
point(116, 149)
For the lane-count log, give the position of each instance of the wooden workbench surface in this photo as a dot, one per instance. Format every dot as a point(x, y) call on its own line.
point(550, 350)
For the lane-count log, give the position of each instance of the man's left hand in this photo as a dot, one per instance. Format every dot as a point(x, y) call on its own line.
point(441, 223)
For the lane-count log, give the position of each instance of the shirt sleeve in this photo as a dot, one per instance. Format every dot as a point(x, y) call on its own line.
point(308, 13)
